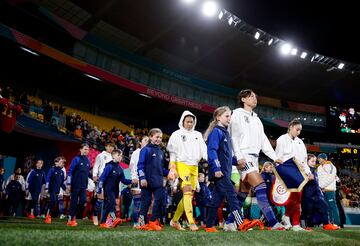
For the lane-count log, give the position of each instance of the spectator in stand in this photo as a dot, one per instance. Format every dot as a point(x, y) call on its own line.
point(327, 181)
point(25, 102)
point(48, 113)
point(78, 133)
point(61, 109)
point(7, 93)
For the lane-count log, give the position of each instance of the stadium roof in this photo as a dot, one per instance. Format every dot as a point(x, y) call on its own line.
point(178, 36)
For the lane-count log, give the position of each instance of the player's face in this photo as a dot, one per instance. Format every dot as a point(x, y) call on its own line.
point(84, 150)
point(117, 157)
point(295, 130)
point(144, 142)
point(39, 164)
point(250, 101)
point(188, 123)
point(225, 118)
point(156, 138)
point(312, 162)
point(109, 148)
point(201, 178)
point(268, 169)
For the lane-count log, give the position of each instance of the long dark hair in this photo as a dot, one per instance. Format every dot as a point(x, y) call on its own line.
point(244, 94)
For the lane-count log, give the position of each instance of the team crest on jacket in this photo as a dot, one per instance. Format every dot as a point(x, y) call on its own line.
point(183, 137)
point(246, 119)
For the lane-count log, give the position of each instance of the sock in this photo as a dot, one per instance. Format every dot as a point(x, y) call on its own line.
point(112, 215)
point(97, 207)
point(141, 220)
point(179, 210)
point(61, 207)
point(241, 196)
point(37, 208)
point(136, 209)
point(264, 205)
point(296, 207)
point(188, 207)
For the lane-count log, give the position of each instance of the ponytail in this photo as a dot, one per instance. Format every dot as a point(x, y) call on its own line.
point(218, 112)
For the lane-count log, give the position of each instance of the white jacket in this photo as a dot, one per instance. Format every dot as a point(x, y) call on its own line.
point(327, 176)
point(187, 146)
point(247, 134)
point(288, 148)
point(133, 164)
point(100, 162)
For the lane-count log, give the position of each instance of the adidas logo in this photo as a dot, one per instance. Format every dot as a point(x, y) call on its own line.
point(225, 140)
point(154, 154)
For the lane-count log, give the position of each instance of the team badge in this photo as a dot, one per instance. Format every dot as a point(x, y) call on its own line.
point(183, 137)
point(246, 119)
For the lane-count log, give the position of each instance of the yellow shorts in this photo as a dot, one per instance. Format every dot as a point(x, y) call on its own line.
point(188, 174)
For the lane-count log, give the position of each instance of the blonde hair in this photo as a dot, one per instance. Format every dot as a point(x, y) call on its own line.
point(154, 131)
point(218, 112)
point(266, 164)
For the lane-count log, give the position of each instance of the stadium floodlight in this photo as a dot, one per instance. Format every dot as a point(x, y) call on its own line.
point(188, 1)
point(303, 55)
point(209, 8)
point(92, 77)
point(29, 51)
point(144, 95)
point(221, 14)
point(257, 35)
point(294, 52)
point(285, 49)
point(341, 65)
point(230, 21)
point(270, 41)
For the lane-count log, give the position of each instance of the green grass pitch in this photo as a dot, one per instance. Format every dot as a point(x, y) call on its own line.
point(23, 231)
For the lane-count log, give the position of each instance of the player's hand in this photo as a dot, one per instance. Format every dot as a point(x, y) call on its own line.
point(95, 178)
point(218, 174)
point(172, 174)
point(241, 163)
point(310, 176)
point(68, 188)
point(143, 183)
point(278, 161)
point(134, 181)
